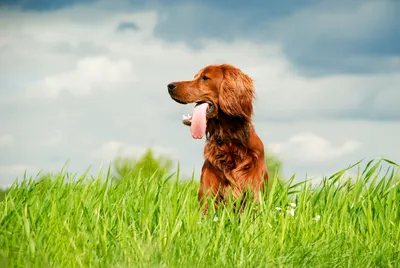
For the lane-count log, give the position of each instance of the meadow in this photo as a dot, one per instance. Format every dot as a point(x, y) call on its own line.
point(138, 219)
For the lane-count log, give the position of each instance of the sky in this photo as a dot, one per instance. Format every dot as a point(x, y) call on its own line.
point(85, 81)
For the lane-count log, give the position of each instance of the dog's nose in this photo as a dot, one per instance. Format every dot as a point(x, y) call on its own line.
point(171, 87)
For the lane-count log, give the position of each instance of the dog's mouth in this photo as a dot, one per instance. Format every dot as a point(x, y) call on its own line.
point(187, 119)
point(198, 120)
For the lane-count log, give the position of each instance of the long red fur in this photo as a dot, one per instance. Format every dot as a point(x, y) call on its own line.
point(233, 154)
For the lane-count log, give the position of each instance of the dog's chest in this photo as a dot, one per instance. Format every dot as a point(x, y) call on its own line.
point(225, 156)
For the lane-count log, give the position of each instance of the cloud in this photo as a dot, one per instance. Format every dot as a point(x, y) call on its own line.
point(42, 5)
point(6, 140)
point(9, 173)
point(288, 96)
point(54, 139)
point(309, 147)
point(319, 39)
point(127, 25)
point(99, 73)
point(355, 38)
point(91, 106)
point(80, 49)
point(113, 149)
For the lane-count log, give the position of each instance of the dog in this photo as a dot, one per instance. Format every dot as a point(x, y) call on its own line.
point(234, 160)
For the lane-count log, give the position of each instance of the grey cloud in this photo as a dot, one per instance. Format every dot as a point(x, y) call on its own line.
point(319, 39)
point(42, 5)
point(127, 25)
point(358, 38)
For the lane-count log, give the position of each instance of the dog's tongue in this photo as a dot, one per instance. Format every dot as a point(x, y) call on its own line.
point(199, 121)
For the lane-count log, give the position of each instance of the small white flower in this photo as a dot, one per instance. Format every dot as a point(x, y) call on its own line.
point(316, 218)
point(291, 211)
point(215, 218)
point(278, 208)
point(293, 205)
point(269, 224)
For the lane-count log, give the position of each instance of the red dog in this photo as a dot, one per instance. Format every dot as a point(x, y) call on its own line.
point(234, 154)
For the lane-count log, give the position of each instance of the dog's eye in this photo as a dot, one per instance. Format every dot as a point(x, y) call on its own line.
point(205, 78)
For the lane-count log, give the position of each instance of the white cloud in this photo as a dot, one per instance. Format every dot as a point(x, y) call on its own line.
point(6, 140)
point(9, 173)
point(309, 147)
point(112, 149)
point(287, 95)
point(99, 73)
point(388, 99)
point(54, 139)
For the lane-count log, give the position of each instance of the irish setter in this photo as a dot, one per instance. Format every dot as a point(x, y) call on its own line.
point(233, 153)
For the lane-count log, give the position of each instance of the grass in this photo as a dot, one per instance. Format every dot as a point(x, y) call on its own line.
point(64, 221)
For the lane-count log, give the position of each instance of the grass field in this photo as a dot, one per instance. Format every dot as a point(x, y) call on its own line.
point(137, 221)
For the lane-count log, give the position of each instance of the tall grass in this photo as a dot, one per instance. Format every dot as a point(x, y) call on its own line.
point(138, 221)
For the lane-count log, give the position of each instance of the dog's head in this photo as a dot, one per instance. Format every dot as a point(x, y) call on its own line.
point(217, 89)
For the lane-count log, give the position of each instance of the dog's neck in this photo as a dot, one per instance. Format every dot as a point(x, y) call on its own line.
point(228, 129)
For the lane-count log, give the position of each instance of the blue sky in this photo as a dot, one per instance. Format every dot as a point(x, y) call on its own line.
point(85, 81)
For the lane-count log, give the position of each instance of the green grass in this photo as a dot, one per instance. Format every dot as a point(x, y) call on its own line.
point(156, 222)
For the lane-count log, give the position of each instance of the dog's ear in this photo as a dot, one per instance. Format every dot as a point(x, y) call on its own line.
point(236, 93)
